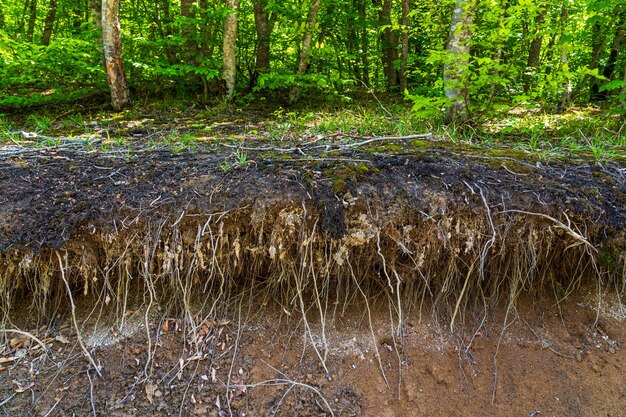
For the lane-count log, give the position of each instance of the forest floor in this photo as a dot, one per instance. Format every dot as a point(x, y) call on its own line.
point(341, 262)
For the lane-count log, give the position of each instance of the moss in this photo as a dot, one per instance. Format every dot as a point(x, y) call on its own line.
point(339, 186)
point(421, 144)
point(609, 258)
point(392, 148)
point(362, 169)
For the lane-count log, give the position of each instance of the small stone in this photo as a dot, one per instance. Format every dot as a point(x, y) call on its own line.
point(158, 393)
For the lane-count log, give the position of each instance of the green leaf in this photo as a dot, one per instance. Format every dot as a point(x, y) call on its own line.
point(612, 85)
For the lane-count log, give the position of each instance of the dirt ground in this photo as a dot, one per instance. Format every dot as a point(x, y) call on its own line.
point(550, 360)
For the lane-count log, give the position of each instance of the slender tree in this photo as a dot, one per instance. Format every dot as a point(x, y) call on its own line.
point(567, 85)
point(305, 50)
point(534, 49)
point(364, 41)
point(264, 24)
point(113, 64)
point(187, 11)
point(616, 47)
point(49, 23)
point(389, 42)
point(1, 17)
point(405, 45)
point(32, 19)
point(455, 72)
point(229, 71)
point(95, 7)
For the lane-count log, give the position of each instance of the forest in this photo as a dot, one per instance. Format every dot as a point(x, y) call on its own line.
point(473, 58)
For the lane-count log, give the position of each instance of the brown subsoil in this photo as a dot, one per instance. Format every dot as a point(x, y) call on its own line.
point(407, 268)
point(551, 360)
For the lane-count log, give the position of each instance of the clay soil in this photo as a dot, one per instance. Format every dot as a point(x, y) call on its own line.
point(551, 360)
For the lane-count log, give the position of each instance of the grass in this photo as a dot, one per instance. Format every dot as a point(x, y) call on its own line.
point(585, 133)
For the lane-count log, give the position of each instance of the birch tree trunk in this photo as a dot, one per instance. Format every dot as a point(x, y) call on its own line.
point(455, 76)
point(305, 51)
point(229, 71)
point(113, 65)
point(49, 23)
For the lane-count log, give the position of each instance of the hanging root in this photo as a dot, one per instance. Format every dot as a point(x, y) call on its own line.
point(282, 253)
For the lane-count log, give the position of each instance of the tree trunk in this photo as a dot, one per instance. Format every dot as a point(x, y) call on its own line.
point(534, 51)
point(95, 7)
point(49, 23)
point(623, 98)
point(32, 19)
point(305, 51)
point(22, 21)
point(567, 87)
point(405, 45)
point(455, 75)
point(186, 11)
point(364, 41)
point(598, 40)
point(264, 26)
point(616, 47)
point(389, 41)
point(113, 64)
point(352, 42)
point(1, 17)
point(229, 71)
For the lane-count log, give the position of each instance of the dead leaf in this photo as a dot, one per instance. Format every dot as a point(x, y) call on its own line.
point(166, 326)
point(21, 388)
point(62, 339)
point(7, 360)
point(150, 388)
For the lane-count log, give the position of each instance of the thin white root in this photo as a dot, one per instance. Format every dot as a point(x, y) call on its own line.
point(78, 336)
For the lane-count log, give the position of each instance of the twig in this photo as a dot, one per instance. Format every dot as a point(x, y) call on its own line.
point(78, 336)
point(7, 400)
point(382, 138)
point(53, 407)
